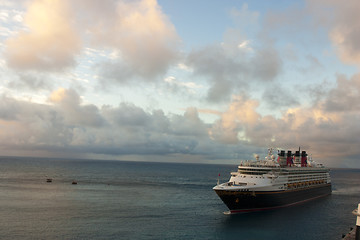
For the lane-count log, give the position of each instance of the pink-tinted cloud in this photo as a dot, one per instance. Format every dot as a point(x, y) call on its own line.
point(145, 39)
point(139, 32)
point(51, 41)
point(328, 128)
point(344, 32)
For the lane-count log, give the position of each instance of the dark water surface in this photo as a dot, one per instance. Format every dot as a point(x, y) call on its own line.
point(137, 200)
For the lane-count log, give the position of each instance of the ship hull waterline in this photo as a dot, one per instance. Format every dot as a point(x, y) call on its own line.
point(240, 202)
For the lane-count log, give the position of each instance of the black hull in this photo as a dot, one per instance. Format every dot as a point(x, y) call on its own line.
point(238, 201)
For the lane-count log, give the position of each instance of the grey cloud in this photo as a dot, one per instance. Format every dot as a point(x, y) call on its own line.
point(116, 72)
point(130, 130)
point(68, 127)
point(8, 108)
point(220, 91)
point(188, 125)
point(230, 71)
point(345, 97)
point(68, 103)
point(328, 128)
point(266, 64)
point(277, 97)
point(126, 115)
point(344, 29)
point(340, 20)
point(33, 81)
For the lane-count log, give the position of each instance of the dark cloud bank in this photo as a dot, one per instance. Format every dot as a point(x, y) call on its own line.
point(67, 128)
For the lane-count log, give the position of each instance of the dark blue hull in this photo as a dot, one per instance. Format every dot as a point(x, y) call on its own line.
point(238, 201)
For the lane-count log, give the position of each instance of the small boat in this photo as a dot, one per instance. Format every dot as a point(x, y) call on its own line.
point(49, 180)
point(74, 182)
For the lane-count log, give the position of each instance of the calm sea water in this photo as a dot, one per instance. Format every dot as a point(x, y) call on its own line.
point(137, 200)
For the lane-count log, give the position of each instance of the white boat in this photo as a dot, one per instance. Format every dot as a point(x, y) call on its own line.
point(273, 183)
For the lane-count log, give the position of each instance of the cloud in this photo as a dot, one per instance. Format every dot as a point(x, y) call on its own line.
point(145, 38)
point(51, 41)
point(173, 85)
point(27, 125)
point(277, 97)
point(345, 97)
point(340, 20)
point(345, 33)
point(57, 32)
point(228, 69)
point(65, 126)
point(266, 64)
point(239, 61)
point(220, 70)
point(239, 117)
point(30, 80)
point(328, 128)
point(68, 104)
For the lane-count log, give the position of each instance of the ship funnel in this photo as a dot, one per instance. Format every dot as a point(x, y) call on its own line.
point(289, 160)
point(303, 159)
point(282, 158)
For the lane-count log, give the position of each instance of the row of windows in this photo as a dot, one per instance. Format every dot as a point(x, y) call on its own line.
point(307, 176)
point(282, 172)
point(305, 184)
point(306, 172)
point(252, 173)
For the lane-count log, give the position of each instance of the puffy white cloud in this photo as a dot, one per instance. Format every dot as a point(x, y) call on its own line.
point(51, 41)
point(56, 32)
point(345, 33)
point(229, 69)
point(328, 128)
point(67, 102)
point(135, 40)
point(142, 34)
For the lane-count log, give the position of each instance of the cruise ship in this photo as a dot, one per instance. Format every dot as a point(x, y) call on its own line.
point(275, 182)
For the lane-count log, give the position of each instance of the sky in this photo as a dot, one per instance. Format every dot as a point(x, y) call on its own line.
point(180, 81)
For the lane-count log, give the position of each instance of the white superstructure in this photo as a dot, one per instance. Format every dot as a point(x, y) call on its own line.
point(269, 175)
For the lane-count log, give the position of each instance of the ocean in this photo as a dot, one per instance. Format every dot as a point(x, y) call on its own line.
point(142, 200)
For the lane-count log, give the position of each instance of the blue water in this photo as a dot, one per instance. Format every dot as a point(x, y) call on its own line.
point(137, 200)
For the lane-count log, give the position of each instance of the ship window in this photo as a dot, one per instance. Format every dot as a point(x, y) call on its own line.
point(250, 171)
